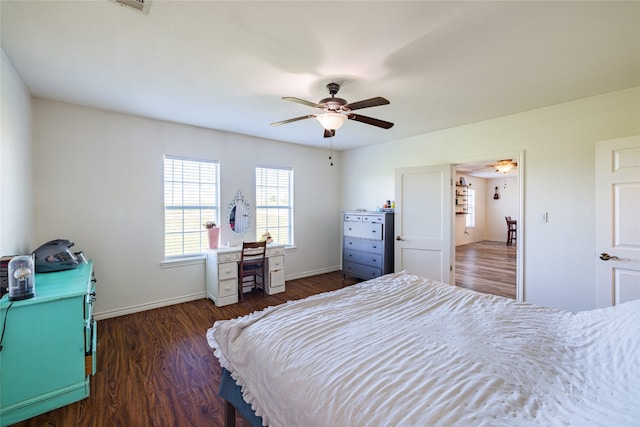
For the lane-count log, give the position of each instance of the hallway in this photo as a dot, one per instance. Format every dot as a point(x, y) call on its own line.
point(488, 267)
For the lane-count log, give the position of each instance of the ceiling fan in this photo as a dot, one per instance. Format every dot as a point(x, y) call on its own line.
point(337, 110)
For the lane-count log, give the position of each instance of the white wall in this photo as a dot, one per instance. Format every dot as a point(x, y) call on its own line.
point(16, 159)
point(99, 183)
point(506, 205)
point(464, 234)
point(559, 151)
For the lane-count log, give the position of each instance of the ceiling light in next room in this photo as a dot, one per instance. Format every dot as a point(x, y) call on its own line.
point(139, 5)
point(504, 166)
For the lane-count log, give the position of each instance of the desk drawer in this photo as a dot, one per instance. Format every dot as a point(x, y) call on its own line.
point(275, 251)
point(276, 279)
point(229, 257)
point(228, 270)
point(276, 263)
point(227, 288)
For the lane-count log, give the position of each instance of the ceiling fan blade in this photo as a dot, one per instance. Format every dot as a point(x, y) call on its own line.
point(370, 121)
point(303, 102)
point(295, 119)
point(373, 102)
point(329, 133)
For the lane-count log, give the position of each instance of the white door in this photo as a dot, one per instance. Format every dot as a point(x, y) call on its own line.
point(617, 221)
point(423, 221)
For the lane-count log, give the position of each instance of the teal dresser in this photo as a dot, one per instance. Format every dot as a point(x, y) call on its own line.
point(49, 346)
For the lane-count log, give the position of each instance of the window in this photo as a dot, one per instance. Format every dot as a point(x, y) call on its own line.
point(471, 208)
point(274, 203)
point(191, 197)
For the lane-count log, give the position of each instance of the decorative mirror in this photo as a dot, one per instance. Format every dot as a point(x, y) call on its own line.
point(239, 214)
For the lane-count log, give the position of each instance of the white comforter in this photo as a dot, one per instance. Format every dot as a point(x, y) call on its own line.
point(401, 350)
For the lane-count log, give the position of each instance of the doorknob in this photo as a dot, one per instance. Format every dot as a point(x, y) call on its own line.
point(398, 238)
point(606, 257)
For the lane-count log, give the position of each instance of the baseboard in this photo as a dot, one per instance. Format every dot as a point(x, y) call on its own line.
point(149, 306)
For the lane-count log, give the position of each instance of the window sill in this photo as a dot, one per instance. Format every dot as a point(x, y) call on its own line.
point(183, 261)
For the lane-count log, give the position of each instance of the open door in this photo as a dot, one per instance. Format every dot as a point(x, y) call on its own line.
point(423, 221)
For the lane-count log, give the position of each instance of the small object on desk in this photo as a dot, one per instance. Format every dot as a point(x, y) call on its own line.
point(21, 278)
point(266, 236)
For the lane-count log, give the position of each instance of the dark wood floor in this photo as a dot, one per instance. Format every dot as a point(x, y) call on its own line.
point(155, 368)
point(488, 267)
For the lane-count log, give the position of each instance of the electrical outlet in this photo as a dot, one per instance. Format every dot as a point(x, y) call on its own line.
point(544, 217)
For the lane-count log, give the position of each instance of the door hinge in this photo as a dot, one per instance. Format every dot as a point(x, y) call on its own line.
point(450, 267)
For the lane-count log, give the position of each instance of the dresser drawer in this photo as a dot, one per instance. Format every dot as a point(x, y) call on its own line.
point(363, 230)
point(276, 263)
point(363, 245)
point(373, 260)
point(360, 270)
point(228, 287)
point(91, 343)
point(353, 217)
point(228, 270)
point(373, 218)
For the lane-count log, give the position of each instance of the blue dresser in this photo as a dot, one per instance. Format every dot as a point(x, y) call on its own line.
point(49, 345)
point(367, 244)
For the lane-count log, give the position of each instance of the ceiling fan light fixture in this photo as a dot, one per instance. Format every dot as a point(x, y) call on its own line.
point(331, 121)
point(504, 166)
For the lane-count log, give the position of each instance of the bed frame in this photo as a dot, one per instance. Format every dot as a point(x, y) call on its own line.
point(231, 392)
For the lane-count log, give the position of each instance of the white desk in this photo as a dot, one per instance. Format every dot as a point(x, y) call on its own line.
point(222, 273)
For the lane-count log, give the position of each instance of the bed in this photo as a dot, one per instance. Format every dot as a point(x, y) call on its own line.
point(402, 350)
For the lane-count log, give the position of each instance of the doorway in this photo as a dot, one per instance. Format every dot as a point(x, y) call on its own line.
point(486, 257)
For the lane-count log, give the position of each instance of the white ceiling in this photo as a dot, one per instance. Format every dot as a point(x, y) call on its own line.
point(225, 64)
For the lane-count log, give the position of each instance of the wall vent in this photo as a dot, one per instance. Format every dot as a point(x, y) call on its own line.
point(139, 5)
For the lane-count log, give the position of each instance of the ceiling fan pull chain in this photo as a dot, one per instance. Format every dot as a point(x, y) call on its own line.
point(331, 151)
